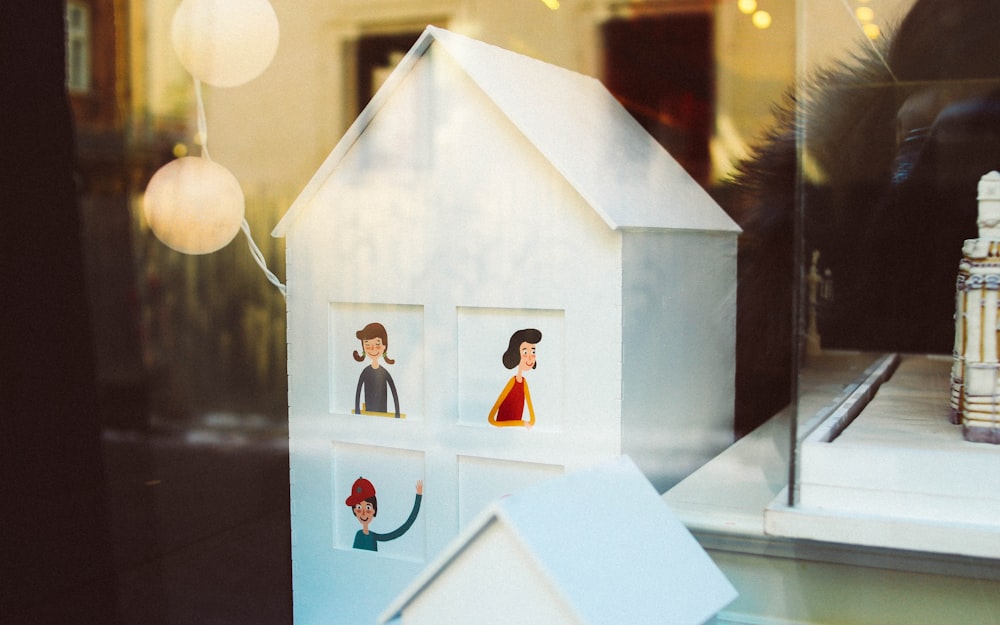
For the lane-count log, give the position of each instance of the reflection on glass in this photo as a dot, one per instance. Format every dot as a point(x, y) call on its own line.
point(896, 141)
point(192, 349)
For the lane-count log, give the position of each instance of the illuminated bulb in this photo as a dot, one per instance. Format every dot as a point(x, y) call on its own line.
point(872, 31)
point(761, 19)
point(225, 43)
point(864, 14)
point(747, 7)
point(552, 4)
point(194, 205)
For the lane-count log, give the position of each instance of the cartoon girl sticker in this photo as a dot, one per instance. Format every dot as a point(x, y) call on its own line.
point(375, 379)
point(509, 408)
point(364, 504)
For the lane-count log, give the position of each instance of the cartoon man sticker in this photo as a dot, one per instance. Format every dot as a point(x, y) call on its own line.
point(375, 380)
point(364, 504)
point(508, 410)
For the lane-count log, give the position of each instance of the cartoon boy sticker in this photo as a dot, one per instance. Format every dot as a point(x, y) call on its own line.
point(375, 379)
point(364, 504)
point(509, 408)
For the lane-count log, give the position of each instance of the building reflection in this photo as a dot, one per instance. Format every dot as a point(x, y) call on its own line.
point(177, 337)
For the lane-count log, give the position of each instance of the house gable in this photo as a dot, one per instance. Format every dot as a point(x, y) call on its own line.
point(625, 175)
point(595, 534)
point(512, 588)
point(572, 119)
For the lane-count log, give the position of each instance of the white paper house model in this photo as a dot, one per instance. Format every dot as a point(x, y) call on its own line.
point(481, 194)
point(597, 547)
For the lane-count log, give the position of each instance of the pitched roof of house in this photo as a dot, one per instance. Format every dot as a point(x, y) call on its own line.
point(575, 122)
point(609, 545)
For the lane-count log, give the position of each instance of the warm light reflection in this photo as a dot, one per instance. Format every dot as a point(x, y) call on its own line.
point(747, 6)
point(552, 4)
point(761, 19)
point(180, 149)
point(872, 31)
point(864, 14)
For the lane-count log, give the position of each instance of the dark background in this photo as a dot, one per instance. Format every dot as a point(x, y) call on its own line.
point(105, 525)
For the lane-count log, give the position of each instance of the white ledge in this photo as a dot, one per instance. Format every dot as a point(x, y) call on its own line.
point(739, 502)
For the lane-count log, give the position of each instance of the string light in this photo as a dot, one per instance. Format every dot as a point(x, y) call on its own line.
point(864, 18)
point(225, 43)
point(761, 19)
point(193, 204)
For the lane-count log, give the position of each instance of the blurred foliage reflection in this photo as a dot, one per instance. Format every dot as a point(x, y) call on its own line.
point(212, 326)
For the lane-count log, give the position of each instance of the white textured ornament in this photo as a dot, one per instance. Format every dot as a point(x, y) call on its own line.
point(194, 205)
point(225, 43)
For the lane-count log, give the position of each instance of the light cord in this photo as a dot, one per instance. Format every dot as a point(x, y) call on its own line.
point(202, 123)
point(258, 257)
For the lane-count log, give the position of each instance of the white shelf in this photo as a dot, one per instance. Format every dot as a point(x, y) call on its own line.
point(897, 484)
point(898, 475)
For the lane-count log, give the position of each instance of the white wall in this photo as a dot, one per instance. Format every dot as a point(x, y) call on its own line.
point(680, 337)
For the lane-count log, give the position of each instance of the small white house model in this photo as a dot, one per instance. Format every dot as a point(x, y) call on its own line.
point(495, 277)
point(597, 547)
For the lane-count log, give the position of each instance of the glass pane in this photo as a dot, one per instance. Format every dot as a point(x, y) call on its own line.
point(194, 371)
point(897, 110)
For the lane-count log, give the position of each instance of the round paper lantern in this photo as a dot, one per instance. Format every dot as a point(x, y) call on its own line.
point(194, 205)
point(225, 43)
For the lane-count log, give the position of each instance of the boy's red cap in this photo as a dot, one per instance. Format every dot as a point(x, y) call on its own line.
point(361, 490)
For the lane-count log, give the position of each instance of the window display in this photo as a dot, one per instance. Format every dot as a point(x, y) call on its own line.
point(867, 191)
point(496, 201)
